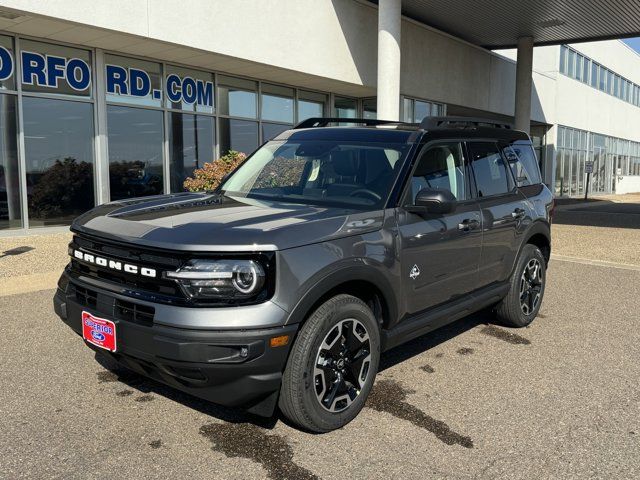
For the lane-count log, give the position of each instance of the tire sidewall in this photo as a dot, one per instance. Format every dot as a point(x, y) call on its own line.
point(529, 252)
point(340, 311)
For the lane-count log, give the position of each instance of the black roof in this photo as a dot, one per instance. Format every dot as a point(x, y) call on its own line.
point(385, 131)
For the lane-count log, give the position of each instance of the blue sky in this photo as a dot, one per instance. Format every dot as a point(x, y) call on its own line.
point(634, 43)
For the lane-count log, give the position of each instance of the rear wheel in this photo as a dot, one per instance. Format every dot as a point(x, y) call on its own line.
point(332, 365)
point(522, 303)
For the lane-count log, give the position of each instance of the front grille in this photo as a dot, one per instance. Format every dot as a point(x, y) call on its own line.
point(86, 297)
point(158, 287)
point(113, 307)
point(134, 312)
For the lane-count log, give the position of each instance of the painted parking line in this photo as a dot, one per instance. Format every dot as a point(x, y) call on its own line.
point(597, 263)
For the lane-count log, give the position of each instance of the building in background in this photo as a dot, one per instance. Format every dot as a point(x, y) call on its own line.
point(128, 97)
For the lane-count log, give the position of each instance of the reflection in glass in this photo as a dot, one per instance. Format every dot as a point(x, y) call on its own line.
point(237, 97)
point(370, 108)
point(238, 135)
point(58, 137)
point(345, 107)
point(271, 130)
point(195, 75)
point(407, 110)
point(135, 152)
point(10, 213)
point(151, 68)
point(310, 104)
point(190, 146)
point(58, 51)
point(277, 103)
point(8, 83)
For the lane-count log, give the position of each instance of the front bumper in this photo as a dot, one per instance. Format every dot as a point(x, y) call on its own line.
point(231, 367)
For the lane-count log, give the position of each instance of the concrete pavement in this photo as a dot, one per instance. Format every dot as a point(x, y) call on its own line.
point(559, 399)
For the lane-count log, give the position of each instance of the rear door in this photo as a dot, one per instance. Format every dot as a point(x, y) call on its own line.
point(503, 209)
point(440, 254)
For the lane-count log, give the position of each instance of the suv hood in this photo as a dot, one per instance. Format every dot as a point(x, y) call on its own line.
point(212, 222)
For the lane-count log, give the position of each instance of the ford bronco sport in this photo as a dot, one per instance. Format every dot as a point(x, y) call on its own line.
point(326, 247)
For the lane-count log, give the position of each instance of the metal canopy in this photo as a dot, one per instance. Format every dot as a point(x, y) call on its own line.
point(499, 23)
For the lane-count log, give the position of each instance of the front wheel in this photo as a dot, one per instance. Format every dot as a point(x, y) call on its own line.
point(332, 365)
point(522, 303)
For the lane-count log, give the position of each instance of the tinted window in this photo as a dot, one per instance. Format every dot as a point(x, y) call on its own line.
point(190, 146)
point(58, 141)
point(489, 169)
point(523, 163)
point(441, 167)
point(238, 135)
point(135, 152)
point(10, 211)
point(237, 97)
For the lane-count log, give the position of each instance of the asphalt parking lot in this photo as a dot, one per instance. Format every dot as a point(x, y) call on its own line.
point(560, 399)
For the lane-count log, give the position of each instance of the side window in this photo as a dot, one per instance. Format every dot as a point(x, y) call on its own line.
point(441, 167)
point(489, 169)
point(523, 163)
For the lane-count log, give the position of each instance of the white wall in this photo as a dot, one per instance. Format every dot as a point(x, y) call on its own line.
point(628, 184)
point(334, 39)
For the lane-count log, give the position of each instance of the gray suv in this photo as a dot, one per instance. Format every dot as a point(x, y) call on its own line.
point(326, 247)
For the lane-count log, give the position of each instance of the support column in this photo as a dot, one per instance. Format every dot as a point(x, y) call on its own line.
point(524, 73)
point(389, 20)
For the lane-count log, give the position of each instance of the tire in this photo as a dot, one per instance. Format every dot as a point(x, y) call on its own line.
point(316, 370)
point(512, 311)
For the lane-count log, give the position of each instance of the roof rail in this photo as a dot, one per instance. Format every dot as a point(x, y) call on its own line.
point(433, 123)
point(324, 121)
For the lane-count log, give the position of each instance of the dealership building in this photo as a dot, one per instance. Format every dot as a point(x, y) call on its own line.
point(107, 100)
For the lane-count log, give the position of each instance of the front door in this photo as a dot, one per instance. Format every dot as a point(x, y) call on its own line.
point(440, 254)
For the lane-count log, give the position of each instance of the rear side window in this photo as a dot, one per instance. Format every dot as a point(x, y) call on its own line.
point(489, 169)
point(524, 164)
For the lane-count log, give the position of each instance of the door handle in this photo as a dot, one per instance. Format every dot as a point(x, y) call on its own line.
point(518, 213)
point(468, 224)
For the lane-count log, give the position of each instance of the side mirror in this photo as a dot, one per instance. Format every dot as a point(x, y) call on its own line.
point(432, 200)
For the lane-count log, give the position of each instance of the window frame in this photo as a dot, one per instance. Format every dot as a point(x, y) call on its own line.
point(405, 198)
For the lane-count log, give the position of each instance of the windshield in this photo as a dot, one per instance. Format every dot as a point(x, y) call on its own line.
point(320, 172)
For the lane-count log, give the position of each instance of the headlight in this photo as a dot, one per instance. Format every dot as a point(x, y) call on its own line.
point(220, 279)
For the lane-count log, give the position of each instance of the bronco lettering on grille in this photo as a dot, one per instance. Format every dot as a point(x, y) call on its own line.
point(114, 264)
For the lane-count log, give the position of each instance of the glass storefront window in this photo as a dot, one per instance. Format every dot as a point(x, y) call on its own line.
point(133, 81)
point(10, 211)
point(237, 97)
point(370, 108)
point(422, 109)
point(58, 137)
point(311, 104)
point(594, 74)
point(55, 69)
point(191, 144)
point(238, 135)
point(407, 110)
point(135, 138)
point(272, 130)
point(7, 64)
point(345, 107)
point(277, 103)
point(189, 90)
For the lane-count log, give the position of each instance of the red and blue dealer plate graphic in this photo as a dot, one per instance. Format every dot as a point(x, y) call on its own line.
point(99, 331)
